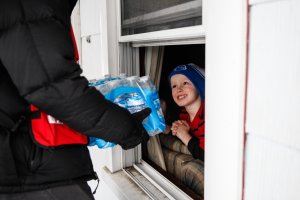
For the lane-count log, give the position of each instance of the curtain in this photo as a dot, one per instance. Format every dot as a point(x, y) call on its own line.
point(130, 65)
point(129, 60)
point(153, 66)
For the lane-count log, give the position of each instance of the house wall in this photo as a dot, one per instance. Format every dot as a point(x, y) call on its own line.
point(93, 35)
point(273, 111)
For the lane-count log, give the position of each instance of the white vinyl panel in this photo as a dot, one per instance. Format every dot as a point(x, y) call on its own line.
point(272, 171)
point(94, 63)
point(90, 12)
point(273, 109)
point(112, 37)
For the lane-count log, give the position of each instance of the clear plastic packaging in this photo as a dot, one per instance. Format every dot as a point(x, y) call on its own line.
point(134, 94)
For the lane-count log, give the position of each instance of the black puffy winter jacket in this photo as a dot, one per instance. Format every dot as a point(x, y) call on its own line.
point(37, 67)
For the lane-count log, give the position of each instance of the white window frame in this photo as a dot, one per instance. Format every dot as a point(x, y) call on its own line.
point(118, 159)
point(224, 32)
point(187, 35)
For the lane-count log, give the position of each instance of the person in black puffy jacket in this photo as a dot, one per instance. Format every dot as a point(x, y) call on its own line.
point(37, 68)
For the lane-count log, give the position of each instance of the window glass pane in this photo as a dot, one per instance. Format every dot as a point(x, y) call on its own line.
point(152, 15)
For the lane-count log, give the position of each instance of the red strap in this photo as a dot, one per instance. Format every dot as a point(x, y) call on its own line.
point(49, 132)
point(75, 45)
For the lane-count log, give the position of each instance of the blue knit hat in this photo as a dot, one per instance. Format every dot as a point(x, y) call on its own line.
point(194, 73)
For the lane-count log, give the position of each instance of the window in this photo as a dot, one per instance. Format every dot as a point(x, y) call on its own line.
point(153, 39)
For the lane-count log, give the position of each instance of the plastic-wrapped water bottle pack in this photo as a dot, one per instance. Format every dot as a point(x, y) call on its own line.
point(135, 94)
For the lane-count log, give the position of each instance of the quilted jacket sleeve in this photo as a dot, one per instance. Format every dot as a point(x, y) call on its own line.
point(39, 56)
point(196, 151)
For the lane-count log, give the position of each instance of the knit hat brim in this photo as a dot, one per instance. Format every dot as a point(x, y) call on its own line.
point(194, 73)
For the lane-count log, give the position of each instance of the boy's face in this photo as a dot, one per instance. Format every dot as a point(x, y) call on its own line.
point(183, 91)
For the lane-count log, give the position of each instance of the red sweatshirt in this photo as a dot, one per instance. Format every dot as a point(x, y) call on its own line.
point(197, 126)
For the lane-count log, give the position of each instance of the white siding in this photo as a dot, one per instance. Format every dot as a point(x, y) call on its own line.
point(93, 24)
point(273, 109)
point(272, 170)
point(90, 16)
point(93, 61)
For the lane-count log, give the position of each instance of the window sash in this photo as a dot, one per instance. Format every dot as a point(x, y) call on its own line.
point(185, 33)
point(158, 20)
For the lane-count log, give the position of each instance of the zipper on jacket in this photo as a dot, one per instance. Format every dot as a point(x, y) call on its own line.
point(36, 156)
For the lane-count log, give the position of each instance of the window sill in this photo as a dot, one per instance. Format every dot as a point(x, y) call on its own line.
point(122, 185)
point(141, 182)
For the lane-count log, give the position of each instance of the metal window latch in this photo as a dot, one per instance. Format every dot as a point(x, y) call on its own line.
point(88, 39)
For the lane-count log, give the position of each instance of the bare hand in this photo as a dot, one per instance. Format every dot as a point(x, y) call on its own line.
point(180, 129)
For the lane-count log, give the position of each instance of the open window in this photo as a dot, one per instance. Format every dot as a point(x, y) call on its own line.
point(164, 157)
point(166, 153)
point(153, 39)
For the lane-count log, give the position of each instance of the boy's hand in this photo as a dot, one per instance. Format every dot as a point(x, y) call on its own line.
point(180, 129)
point(168, 130)
point(180, 125)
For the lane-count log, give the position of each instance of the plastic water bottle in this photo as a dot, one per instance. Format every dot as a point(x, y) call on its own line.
point(100, 143)
point(134, 94)
point(123, 75)
point(156, 122)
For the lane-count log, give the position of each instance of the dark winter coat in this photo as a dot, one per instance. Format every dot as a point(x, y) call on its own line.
point(37, 67)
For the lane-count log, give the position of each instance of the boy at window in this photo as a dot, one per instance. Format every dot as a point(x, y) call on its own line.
point(188, 91)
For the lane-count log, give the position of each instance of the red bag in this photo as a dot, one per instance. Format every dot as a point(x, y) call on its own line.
point(49, 132)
